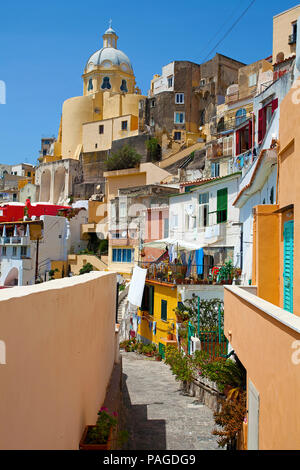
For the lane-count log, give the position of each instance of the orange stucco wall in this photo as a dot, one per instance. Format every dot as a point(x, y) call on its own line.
point(289, 181)
point(266, 253)
point(264, 346)
point(59, 338)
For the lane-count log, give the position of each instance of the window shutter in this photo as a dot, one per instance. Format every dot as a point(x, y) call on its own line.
point(260, 126)
point(164, 315)
point(250, 134)
point(151, 300)
point(222, 201)
point(237, 143)
point(274, 105)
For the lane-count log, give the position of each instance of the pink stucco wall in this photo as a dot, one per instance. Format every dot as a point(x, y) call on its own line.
point(59, 338)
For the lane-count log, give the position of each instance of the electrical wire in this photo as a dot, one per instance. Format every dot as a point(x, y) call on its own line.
point(230, 29)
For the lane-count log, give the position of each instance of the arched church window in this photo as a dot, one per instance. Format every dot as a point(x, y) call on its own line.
point(90, 85)
point(106, 83)
point(123, 86)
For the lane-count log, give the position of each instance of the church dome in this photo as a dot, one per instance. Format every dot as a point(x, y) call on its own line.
point(109, 55)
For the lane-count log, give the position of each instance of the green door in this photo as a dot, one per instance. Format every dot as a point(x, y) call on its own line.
point(288, 265)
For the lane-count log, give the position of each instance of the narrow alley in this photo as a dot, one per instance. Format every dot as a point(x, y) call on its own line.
point(158, 415)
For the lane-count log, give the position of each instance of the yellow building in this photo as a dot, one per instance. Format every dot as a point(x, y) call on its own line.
point(108, 109)
point(157, 314)
point(285, 34)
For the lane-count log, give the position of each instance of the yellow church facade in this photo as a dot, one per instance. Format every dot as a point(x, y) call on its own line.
point(108, 109)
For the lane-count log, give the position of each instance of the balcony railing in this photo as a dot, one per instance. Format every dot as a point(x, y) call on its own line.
point(14, 240)
point(165, 272)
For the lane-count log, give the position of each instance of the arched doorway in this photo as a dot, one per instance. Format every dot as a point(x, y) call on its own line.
point(12, 279)
point(45, 186)
point(59, 185)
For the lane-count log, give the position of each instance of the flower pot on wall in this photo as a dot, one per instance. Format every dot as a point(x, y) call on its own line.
point(85, 446)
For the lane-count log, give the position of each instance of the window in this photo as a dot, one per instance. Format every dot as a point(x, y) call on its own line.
point(90, 85)
point(101, 129)
point(122, 255)
point(14, 253)
point(272, 195)
point(170, 81)
point(240, 116)
point(4, 251)
point(164, 314)
point(177, 135)
point(23, 250)
point(124, 125)
point(264, 116)
point(179, 118)
point(166, 228)
point(106, 84)
point(222, 201)
point(148, 299)
point(252, 80)
point(174, 220)
point(243, 138)
point(179, 98)
point(215, 170)
point(152, 104)
point(202, 82)
point(152, 121)
point(123, 86)
point(123, 209)
point(29, 174)
point(203, 209)
point(96, 146)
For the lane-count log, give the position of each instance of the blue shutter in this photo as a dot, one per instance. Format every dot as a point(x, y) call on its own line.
point(288, 265)
point(114, 255)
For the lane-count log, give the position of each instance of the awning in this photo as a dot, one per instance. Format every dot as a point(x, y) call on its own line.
point(182, 244)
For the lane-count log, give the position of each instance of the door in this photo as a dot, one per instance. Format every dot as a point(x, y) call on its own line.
point(253, 417)
point(288, 265)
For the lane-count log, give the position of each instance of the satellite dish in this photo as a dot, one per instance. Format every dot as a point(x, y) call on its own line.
point(124, 234)
point(98, 187)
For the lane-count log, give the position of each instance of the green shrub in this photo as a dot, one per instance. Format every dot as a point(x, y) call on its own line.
point(126, 157)
point(86, 268)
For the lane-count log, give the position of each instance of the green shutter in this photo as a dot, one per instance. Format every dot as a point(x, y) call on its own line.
point(222, 202)
point(164, 306)
point(288, 263)
point(151, 300)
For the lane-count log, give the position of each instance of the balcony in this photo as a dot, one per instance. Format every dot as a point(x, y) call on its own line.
point(266, 340)
point(174, 274)
point(23, 241)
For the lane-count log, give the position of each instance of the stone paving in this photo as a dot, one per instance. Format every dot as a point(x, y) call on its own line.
point(158, 415)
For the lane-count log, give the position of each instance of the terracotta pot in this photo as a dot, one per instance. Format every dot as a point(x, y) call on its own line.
point(169, 336)
point(158, 358)
point(83, 446)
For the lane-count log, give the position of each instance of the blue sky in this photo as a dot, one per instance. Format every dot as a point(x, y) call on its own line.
point(45, 45)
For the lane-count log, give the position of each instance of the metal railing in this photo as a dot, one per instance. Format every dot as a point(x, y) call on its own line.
point(178, 273)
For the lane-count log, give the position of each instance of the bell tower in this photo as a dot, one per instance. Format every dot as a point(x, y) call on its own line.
point(110, 37)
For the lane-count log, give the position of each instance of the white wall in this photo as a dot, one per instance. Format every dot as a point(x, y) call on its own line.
point(229, 234)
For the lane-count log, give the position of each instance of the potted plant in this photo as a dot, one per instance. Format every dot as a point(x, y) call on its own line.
point(158, 357)
point(100, 435)
point(170, 334)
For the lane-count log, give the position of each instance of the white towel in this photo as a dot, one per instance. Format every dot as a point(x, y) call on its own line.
point(137, 284)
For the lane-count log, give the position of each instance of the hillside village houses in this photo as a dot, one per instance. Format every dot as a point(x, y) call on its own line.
point(203, 210)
